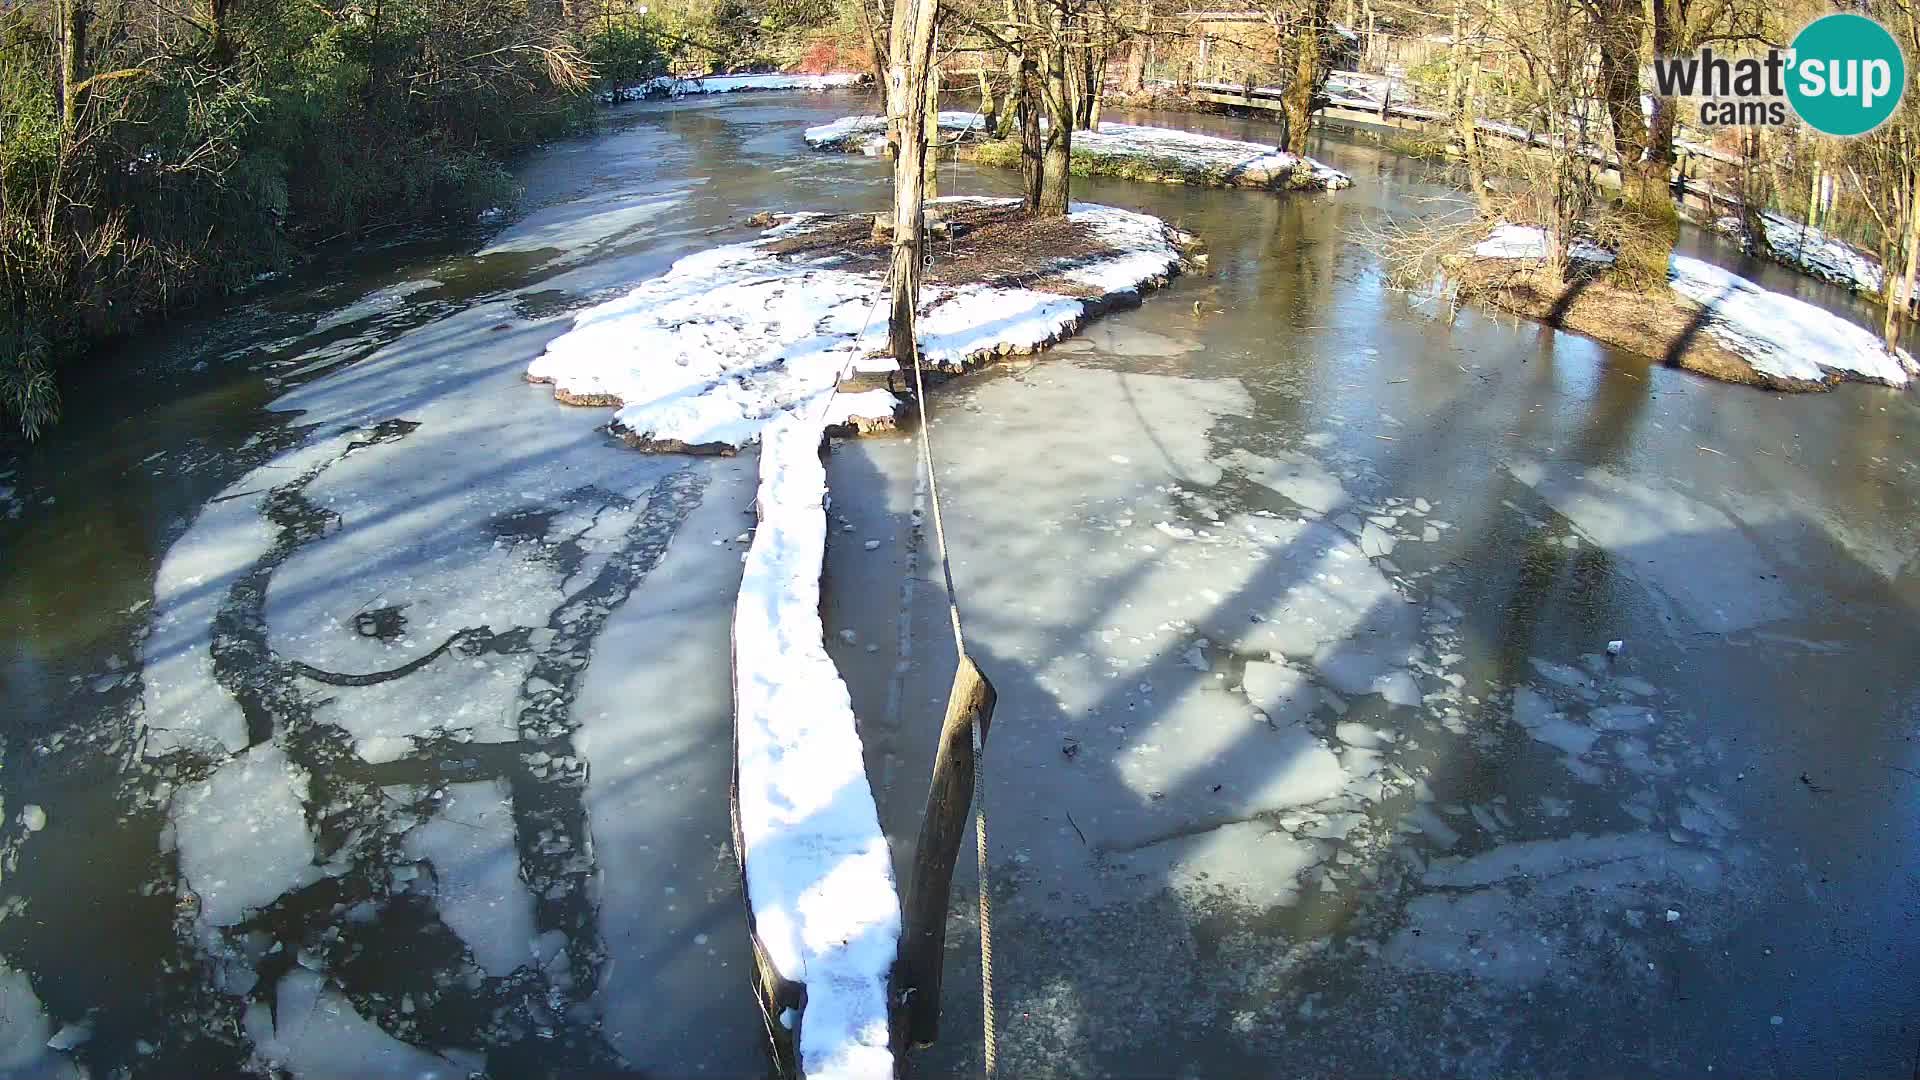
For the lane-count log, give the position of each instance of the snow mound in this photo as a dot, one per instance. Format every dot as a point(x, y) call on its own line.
point(1780, 336)
point(708, 354)
point(1508, 241)
point(819, 877)
point(1814, 252)
point(1233, 163)
point(672, 87)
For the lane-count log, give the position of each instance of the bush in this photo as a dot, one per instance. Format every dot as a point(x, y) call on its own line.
point(195, 160)
point(625, 55)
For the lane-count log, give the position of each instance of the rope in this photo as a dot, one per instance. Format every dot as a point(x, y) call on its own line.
point(989, 1039)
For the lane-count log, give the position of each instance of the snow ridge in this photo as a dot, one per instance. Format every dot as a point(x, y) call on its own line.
point(819, 876)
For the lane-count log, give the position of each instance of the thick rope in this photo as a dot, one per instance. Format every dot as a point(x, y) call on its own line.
point(989, 1040)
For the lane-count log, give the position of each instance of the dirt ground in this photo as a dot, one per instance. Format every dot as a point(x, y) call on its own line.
point(990, 244)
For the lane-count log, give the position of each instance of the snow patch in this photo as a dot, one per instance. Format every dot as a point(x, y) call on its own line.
point(1236, 163)
point(1813, 251)
point(1508, 241)
point(673, 87)
point(730, 339)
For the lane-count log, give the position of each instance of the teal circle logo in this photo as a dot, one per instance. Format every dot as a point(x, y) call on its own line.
point(1846, 74)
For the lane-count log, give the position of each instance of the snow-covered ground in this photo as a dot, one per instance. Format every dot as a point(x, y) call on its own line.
point(709, 353)
point(1228, 162)
point(672, 86)
point(1812, 251)
point(1780, 336)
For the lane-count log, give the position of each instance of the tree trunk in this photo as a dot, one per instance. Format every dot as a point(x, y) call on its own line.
point(1097, 89)
point(1089, 63)
point(219, 45)
point(1057, 141)
point(1619, 69)
point(1470, 143)
point(1032, 152)
point(989, 104)
point(910, 47)
point(1813, 202)
point(930, 190)
point(1306, 69)
point(1660, 126)
point(1753, 196)
point(1646, 181)
point(1133, 79)
point(1900, 302)
point(75, 18)
point(1011, 112)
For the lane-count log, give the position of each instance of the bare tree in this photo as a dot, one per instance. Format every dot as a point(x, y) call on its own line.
point(909, 63)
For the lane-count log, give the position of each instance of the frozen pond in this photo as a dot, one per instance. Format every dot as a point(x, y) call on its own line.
point(390, 736)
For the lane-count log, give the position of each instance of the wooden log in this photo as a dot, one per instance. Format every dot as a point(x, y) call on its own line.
point(923, 928)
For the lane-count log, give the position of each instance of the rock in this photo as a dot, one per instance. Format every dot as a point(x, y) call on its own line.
point(33, 817)
point(871, 545)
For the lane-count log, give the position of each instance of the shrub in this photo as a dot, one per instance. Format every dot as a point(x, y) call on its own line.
point(194, 160)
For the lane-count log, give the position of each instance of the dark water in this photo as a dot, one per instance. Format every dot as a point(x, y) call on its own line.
point(1756, 552)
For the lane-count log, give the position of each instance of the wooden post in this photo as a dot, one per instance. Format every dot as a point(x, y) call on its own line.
point(923, 927)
